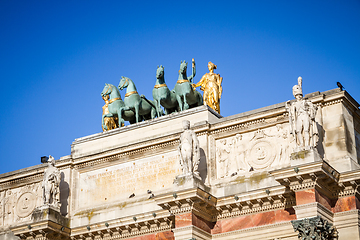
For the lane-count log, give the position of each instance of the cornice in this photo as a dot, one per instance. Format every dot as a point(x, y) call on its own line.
point(265, 228)
point(193, 200)
point(255, 202)
point(318, 175)
point(126, 227)
point(213, 209)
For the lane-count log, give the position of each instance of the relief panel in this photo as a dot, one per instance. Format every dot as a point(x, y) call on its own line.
point(263, 149)
point(17, 204)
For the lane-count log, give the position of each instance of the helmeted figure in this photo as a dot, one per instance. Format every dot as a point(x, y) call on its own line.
point(189, 150)
point(211, 85)
point(51, 183)
point(302, 119)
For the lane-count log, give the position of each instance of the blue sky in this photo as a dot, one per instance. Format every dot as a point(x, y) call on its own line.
point(57, 56)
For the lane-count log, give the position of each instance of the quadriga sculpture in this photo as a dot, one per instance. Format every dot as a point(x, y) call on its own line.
point(115, 106)
point(186, 95)
point(162, 94)
point(142, 107)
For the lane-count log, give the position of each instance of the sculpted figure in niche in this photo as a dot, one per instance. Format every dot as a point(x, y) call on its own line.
point(51, 183)
point(189, 150)
point(302, 119)
point(9, 203)
point(211, 85)
point(240, 151)
point(2, 200)
point(282, 136)
point(223, 151)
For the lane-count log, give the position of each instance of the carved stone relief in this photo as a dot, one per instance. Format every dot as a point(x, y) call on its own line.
point(9, 200)
point(25, 204)
point(357, 142)
point(259, 150)
point(2, 212)
point(16, 205)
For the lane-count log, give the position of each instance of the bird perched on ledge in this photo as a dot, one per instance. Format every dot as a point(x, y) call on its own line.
point(340, 86)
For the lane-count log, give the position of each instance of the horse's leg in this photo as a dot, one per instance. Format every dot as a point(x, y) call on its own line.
point(121, 121)
point(137, 106)
point(158, 107)
point(186, 105)
point(103, 117)
point(179, 100)
point(154, 112)
point(103, 123)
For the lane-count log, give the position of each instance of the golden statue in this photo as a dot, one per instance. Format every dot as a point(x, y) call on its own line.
point(110, 122)
point(211, 85)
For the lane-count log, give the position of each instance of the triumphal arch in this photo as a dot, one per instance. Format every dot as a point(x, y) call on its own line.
point(174, 168)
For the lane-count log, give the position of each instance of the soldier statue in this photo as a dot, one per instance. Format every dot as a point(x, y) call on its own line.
point(302, 119)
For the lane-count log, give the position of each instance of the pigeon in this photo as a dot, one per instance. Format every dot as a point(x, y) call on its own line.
point(149, 191)
point(340, 86)
point(132, 195)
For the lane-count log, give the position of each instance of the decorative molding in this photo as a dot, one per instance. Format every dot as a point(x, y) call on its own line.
point(209, 208)
point(195, 200)
point(22, 181)
point(347, 219)
point(319, 175)
point(191, 233)
point(313, 209)
point(134, 229)
point(264, 229)
point(243, 125)
point(325, 104)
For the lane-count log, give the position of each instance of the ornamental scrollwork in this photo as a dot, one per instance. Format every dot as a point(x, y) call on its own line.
point(315, 228)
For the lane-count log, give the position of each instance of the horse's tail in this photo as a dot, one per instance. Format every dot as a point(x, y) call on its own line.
point(149, 101)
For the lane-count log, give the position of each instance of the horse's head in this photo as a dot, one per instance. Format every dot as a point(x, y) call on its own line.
point(160, 72)
point(107, 90)
point(124, 83)
point(183, 67)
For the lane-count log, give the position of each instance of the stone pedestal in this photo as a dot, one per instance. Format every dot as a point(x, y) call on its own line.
point(46, 223)
point(305, 156)
point(49, 213)
point(187, 181)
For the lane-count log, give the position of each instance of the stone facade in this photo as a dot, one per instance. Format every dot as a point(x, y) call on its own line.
point(253, 181)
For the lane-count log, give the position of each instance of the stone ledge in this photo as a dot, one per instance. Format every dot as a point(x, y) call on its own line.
point(310, 210)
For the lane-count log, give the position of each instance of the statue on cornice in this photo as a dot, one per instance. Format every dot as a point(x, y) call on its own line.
point(51, 183)
point(189, 150)
point(302, 119)
point(210, 83)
